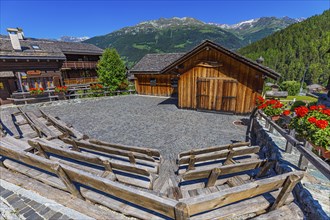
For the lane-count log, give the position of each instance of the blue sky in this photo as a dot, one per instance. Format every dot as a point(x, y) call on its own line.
point(52, 19)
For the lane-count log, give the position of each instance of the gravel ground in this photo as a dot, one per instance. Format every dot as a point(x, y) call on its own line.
point(147, 121)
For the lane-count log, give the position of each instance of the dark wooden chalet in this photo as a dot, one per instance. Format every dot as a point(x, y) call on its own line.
point(32, 63)
point(29, 63)
point(209, 77)
point(81, 62)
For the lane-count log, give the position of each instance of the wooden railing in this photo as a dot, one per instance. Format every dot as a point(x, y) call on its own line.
point(306, 155)
point(79, 64)
point(82, 80)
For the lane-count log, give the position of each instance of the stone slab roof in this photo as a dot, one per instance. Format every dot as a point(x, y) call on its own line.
point(74, 48)
point(48, 49)
point(155, 62)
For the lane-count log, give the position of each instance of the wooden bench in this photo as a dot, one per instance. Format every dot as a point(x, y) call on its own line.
point(212, 174)
point(106, 165)
point(63, 126)
point(132, 157)
point(232, 202)
point(227, 154)
point(128, 200)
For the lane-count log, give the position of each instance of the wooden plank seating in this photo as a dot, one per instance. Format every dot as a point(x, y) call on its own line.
point(8, 125)
point(63, 126)
point(139, 199)
point(15, 143)
point(132, 157)
point(109, 165)
point(215, 204)
point(148, 151)
point(212, 174)
point(253, 197)
point(223, 156)
point(42, 127)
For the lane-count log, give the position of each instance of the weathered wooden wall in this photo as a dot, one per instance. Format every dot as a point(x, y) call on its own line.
point(250, 82)
point(162, 88)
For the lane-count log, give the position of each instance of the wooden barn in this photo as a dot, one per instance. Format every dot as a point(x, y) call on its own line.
point(209, 77)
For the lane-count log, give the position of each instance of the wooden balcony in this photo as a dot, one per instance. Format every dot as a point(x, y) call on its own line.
point(79, 65)
point(83, 80)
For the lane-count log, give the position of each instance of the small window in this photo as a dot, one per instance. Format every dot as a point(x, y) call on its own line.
point(153, 82)
point(35, 47)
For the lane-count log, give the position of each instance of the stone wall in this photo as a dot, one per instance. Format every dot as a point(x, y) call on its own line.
point(272, 148)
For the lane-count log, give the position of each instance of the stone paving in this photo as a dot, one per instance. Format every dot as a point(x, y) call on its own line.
point(18, 203)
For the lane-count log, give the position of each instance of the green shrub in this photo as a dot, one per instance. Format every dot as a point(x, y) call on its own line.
point(312, 103)
point(292, 87)
point(297, 104)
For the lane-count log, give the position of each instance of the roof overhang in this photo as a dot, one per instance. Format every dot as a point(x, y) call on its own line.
point(30, 58)
point(82, 52)
point(207, 44)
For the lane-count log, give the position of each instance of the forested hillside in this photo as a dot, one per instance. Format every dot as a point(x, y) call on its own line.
point(301, 46)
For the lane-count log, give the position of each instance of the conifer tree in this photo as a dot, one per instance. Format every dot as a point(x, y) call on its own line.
point(111, 69)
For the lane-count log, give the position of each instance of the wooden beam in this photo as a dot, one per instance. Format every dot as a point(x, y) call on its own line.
point(264, 169)
point(226, 169)
point(147, 151)
point(212, 149)
point(215, 173)
point(58, 170)
point(181, 211)
point(288, 186)
point(87, 145)
point(220, 154)
point(192, 161)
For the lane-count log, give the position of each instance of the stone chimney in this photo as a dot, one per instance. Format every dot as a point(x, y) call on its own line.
point(20, 33)
point(13, 34)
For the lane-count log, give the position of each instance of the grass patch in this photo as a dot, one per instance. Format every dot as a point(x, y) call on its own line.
point(141, 46)
point(300, 98)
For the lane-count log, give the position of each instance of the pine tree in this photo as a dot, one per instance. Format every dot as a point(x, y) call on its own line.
point(111, 69)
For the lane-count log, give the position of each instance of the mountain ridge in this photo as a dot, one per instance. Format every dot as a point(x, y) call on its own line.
point(182, 34)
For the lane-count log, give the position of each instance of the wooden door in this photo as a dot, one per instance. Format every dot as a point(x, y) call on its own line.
point(216, 94)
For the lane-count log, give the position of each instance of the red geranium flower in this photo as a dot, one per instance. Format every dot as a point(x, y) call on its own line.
point(312, 120)
point(321, 106)
point(322, 124)
point(286, 112)
point(301, 111)
point(326, 112)
point(262, 106)
point(313, 107)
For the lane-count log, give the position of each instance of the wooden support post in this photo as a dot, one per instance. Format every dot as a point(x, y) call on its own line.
point(175, 192)
point(181, 211)
point(192, 161)
point(131, 158)
point(288, 186)
point(66, 180)
point(267, 123)
point(229, 159)
point(288, 146)
point(264, 169)
point(41, 150)
point(75, 146)
point(303, 162)
point(213, 177)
